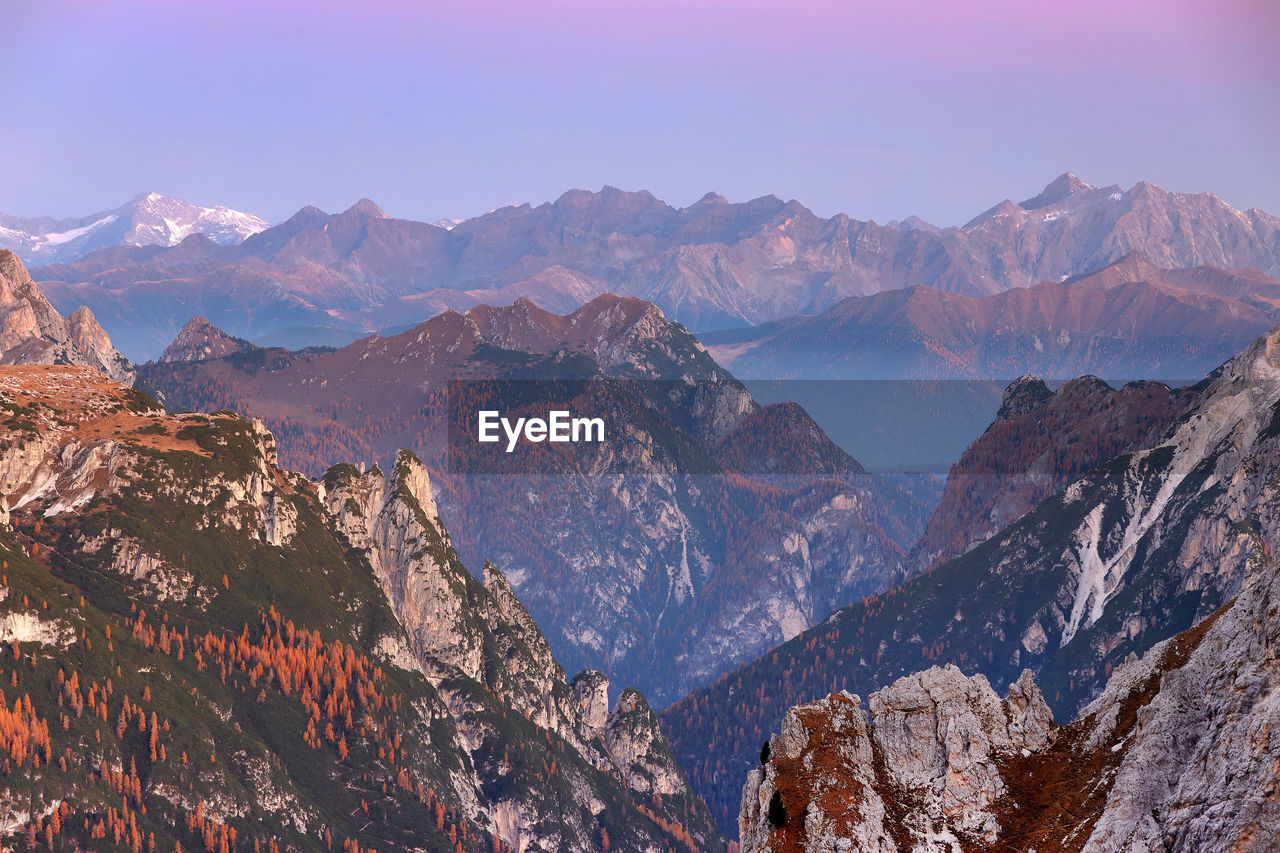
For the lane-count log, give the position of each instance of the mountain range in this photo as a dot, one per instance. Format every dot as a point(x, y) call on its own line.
point(1142, 546)
point(710, 529)
point(1076, 649)
point(1131, 319)
point(149, 219)
point(714, 264)
point(205, 650)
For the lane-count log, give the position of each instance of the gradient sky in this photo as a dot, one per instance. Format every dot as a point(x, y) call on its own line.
point(879, 110)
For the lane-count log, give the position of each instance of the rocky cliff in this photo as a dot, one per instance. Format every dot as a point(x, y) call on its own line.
point(33, 332)
point(238, 652)
point(1177, 754)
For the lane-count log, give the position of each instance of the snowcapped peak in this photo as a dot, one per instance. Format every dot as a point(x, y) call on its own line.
point(148, 219)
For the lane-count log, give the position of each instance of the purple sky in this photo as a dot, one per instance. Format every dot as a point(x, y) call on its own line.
point(877, 110)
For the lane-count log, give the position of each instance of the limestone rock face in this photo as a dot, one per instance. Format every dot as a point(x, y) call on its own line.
point(1201, 770)
point(637, 747)
point(95, 345)
point(464, 633)
point(940, 732)
point(33, 332)
point(592, 689)
point(929, 751)
point(1179, 753)
point(794, 800)
point(394, 520)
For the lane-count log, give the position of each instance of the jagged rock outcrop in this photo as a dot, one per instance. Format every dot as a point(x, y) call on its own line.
point(393, 518)
point(635, 743)
point(462, 632)
point(341, 676)
point(199, 339)
point(33, 332)
point(1179, 754)
point(918, 772)
point(92, 341)
point(592, 689)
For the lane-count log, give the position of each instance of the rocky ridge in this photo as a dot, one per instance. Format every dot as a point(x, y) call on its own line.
point(1128, 319)
point(1039, 442)
point(711, 265)
point(187, 522)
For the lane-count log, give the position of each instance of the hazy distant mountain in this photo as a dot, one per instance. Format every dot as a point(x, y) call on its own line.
point(150, 219)
point(1130, 319)
point(199, 340)
point(714, 264)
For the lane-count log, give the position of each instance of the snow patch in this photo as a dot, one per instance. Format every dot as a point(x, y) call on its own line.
point(75, 233)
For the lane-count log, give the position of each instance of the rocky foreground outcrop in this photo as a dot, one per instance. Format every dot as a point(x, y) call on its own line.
point(922, 766)
point(1181, 752)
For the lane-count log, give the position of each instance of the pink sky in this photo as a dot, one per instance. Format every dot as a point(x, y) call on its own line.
point(878, 110)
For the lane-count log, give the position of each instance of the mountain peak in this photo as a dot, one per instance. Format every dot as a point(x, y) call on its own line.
point(365, 207)
point(1059, 189)
point(1023, 394)
point(199, 340)
point(149, 219)
point(711, 198)
point(33, 332)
